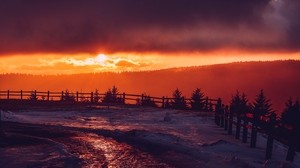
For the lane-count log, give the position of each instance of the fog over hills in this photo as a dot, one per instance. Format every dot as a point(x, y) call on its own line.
point(279, 79)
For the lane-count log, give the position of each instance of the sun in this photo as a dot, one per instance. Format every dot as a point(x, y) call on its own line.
point(101, 58)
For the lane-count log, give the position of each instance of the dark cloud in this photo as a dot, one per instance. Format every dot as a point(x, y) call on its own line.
point(31, 26)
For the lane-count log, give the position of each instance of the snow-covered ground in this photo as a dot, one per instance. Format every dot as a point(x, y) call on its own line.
point(194, 136)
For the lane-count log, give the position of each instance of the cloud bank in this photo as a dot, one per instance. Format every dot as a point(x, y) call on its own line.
point(64, 26)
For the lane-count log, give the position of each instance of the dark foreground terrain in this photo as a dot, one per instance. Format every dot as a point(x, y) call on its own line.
point(34, 145)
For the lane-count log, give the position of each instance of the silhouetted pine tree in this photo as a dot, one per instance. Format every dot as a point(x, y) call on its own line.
point(115, 93)
point(291, 117)
point(291, 113)
point(239, 106)
point(147, 101)
point(261, 109)
point(197, 102)
point(167, 103)
point(178, 100)
point(96, 96)
point(108, 97)
point(33, 96)
point(69, 97)
point(83, 98)
point(245, 108)
point(111, 96)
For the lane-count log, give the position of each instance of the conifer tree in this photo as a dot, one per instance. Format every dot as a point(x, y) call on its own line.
point(108, 97)
point(291, 117)
point(68, 96)
point(147, 101)
point(178, 100)
point(291, 113)
point(115, 93)
point(111, 96)
point(33, 96)
point(197, 102)
point(96, 96)
point(261, 108)
point(239, 106)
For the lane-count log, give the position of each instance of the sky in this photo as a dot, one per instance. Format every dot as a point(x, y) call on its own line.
point(80, 36)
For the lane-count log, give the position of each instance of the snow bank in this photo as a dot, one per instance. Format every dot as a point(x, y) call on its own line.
point(189, 132)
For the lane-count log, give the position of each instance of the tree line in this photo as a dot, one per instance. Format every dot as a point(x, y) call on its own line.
point(285, 127)
point(198, 101)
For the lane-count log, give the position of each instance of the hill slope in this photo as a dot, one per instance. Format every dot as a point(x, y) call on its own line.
point(279, 79)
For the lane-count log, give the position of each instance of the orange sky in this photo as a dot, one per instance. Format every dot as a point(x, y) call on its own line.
point(71, 37)
point(118, 62)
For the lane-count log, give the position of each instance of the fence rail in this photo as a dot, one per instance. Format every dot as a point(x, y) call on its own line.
point(94, 97)
point(245, 125)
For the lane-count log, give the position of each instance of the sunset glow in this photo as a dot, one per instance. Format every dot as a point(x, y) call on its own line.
point(77, 38)
point(119, 62)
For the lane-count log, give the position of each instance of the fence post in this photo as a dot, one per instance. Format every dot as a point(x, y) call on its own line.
point(230, 122)
point(222, 116)
point(293, 142)
point(142, 103)
point(48, 96)
point(124, 97)
point(35, 95)
point(238, 126)
point(254, 131)
point(92, 96)
point(7, 94)
point(292, 145)
point(1, 130)
point(270, 132)
point(245, 129)
point(21, 94)
point(163, 102)
point(226, 118)
point(62, 95)
point(206, 104)
point(77, 96)
point(218, 112)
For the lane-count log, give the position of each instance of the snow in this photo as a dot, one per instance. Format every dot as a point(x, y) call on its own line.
point(187, 132)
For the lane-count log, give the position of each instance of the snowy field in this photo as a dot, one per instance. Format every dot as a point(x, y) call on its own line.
point(160, 138)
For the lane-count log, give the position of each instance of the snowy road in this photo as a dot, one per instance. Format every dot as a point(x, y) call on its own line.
point(129, 137)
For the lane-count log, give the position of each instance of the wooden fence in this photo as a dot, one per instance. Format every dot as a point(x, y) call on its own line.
point(95, 97)
point(274, 130)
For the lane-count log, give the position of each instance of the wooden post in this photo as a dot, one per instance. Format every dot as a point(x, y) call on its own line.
point(163, 102)
point(230, 123)
point(253, 136)
point(7, 94)
point(291, 154)
point(238, 126)
point(62, 95)
point(124, 97)
point(245, 129)
point(270, 132)
point(226, 118)
point(48, 95)
point(77, 96)
point(142, 103)
point(293, 142)
point(254, 131)
point(92, 97)
point(1, 130)
point(222, 116)
point(206, 104)
point(21, 94)
point(292, 147)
